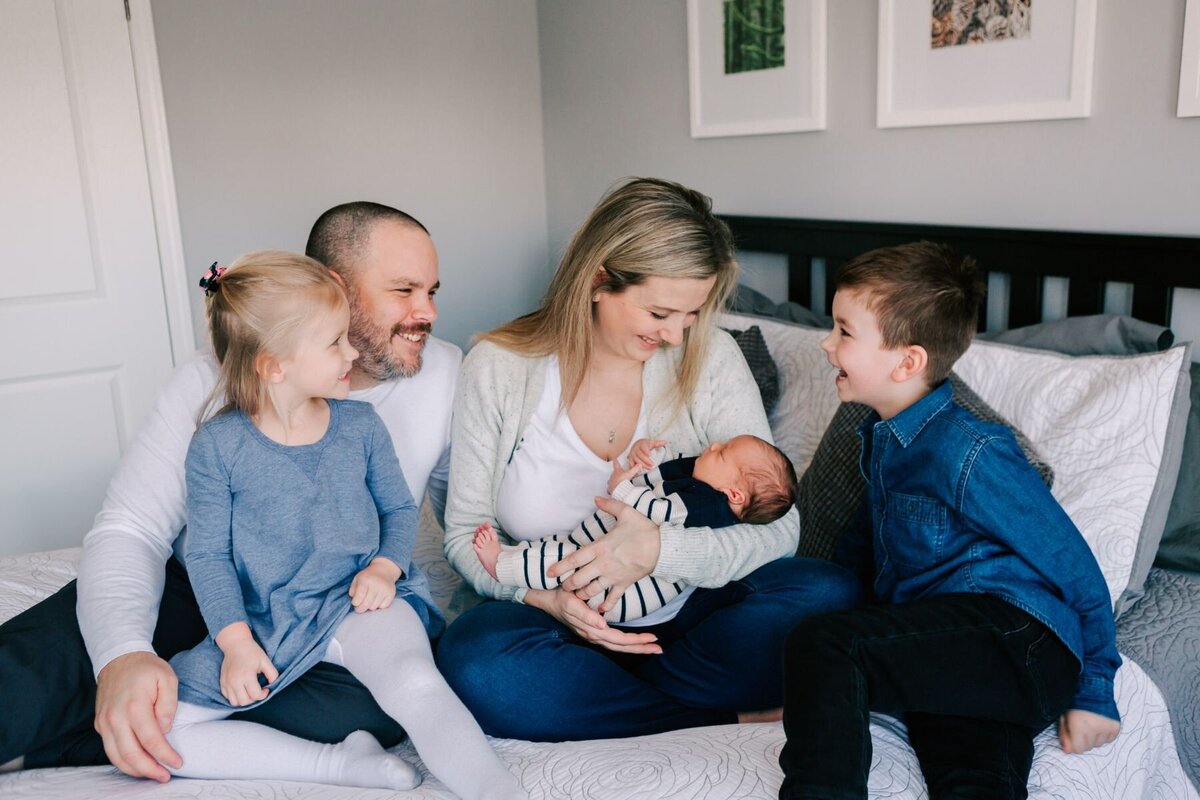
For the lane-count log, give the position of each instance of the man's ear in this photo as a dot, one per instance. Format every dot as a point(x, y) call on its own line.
point(912, 364)
point(268, 368)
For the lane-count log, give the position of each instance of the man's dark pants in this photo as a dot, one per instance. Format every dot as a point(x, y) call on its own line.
point(49, 694)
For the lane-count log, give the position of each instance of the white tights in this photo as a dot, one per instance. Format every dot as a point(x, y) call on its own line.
point(388, 652)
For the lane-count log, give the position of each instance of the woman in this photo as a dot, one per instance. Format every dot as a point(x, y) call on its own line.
point(624, 347)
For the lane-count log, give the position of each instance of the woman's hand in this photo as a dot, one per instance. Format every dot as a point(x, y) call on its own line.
point(374, 587)
point(628, 553)
point(1080, 731)
point(243, 662)
point(589, 625)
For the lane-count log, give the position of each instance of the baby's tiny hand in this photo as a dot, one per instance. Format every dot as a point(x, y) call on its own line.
point(375, 586)
point(642, 452)
point(621, 474)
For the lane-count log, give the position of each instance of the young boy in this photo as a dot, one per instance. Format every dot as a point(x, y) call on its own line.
point(993, 618)
point(743, 480)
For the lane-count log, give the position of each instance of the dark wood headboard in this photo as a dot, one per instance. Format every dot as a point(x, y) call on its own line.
point(1154, 265)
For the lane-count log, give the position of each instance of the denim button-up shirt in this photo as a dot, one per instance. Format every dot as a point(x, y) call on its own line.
point(954, 506)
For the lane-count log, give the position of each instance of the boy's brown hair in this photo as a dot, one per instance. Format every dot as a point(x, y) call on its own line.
point(772, 487)
point(921, 294)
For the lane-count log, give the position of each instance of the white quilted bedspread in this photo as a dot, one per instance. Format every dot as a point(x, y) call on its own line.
point(729, 761)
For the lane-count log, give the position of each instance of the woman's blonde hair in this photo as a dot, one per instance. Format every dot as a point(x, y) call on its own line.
point(257, 307)
point(644, 227)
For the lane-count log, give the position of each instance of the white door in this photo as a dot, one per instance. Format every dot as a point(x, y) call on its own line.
point(84, 341)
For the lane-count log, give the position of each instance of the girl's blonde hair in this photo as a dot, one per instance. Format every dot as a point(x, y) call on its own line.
point(257, 307)
point(643, 227)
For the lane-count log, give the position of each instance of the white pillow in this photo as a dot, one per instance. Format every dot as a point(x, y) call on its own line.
point(1101, 422)
point(807, 394)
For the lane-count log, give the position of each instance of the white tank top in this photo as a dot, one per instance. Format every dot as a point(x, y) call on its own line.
point(553, 479)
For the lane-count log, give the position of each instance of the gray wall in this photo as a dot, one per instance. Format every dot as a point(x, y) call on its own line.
point(615, 100)
point(277, 111)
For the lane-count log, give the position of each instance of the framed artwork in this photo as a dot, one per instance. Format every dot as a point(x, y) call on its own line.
point(959, 62)
point(756, 66)
point(1189, 66)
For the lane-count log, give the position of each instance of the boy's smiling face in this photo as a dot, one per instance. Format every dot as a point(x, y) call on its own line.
point(855, 349)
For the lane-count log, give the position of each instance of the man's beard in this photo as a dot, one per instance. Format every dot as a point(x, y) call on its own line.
point(374, 345)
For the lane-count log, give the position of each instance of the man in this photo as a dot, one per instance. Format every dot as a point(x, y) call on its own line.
point(134, 614)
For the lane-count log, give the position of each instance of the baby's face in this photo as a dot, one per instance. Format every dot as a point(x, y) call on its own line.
point(722, 464)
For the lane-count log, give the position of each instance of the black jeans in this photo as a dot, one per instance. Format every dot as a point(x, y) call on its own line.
point(49, 694)
point(975, 679)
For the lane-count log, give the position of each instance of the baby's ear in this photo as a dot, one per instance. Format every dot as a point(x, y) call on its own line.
point(912, 364)
point(736, 496)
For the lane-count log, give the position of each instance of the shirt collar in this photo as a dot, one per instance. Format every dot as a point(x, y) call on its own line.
point(906, 425)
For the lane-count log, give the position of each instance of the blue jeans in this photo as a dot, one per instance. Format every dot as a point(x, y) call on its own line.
point(526, 676)
point(974, 677)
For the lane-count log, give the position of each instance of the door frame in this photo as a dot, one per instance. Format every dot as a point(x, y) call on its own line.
point(171, 261)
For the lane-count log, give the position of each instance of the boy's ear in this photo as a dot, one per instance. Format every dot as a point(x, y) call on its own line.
point(913, 363)
point(268, 368)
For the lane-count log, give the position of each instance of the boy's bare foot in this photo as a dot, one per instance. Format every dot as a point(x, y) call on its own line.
point(487, 547)
point(769, 715)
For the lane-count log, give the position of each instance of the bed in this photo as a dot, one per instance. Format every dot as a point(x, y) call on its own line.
point(1158, 687)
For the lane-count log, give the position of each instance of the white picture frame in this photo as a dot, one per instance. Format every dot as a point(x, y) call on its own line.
point(783, 99)
point(1045, 75)
point(1189, 63)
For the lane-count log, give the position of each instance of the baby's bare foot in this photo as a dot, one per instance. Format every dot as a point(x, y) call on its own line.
point(767, 715)
point(487, 547)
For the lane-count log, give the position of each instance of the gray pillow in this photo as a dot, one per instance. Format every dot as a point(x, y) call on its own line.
point(1180, 546)
point(1099, 335)
point(832, 487)
point(752, 301)
point(762, 366)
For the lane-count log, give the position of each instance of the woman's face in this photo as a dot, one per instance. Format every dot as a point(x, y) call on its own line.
point(636, 322)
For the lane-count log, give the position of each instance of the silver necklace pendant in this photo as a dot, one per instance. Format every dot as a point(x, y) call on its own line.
point(612, 436)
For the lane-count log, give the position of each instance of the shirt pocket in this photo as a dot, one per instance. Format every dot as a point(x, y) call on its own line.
point(914, 531)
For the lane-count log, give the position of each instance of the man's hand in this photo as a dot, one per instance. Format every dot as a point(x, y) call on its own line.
point(375, 586)
point(136, 697)
point(616, 561)
point(1080, 731)
point(244, 660)
point(588, 625)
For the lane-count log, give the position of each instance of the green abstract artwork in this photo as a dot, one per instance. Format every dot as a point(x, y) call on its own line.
point(753, 35)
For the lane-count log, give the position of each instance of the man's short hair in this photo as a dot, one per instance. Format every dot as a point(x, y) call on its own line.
point(921, 294)
point(339, 235)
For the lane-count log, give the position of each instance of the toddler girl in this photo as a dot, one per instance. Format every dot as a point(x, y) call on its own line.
point(297, 514)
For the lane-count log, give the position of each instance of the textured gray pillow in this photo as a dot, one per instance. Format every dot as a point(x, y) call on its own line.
point(1180, 546)
point(832, 487)
point(762, 366)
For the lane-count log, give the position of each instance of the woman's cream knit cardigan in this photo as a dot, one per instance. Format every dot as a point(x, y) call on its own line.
point(498, 391)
